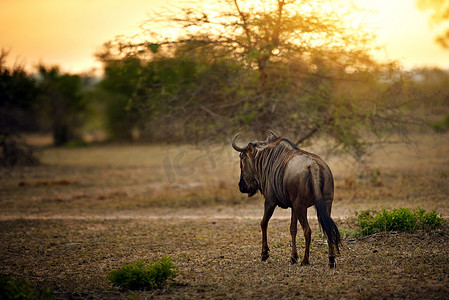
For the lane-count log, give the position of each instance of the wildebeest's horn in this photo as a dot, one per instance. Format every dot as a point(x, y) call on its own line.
point(237, 148)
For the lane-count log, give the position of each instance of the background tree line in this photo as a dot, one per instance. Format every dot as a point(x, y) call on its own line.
point(45, 101)
point(297, 67)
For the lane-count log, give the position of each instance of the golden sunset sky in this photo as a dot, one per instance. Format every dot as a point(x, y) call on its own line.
point(68, 32)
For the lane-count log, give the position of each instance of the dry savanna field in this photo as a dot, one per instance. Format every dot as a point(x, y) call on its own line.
point(66, 224)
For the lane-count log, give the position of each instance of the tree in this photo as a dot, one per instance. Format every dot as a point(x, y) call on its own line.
point(17, 96)
point(301, 67)
point(62, 103)
point(439, 15)
point(119, 85)
point(171, 96)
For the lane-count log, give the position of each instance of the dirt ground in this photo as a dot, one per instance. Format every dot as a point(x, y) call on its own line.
point(86, 211)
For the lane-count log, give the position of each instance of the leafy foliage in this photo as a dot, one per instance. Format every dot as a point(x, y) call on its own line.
point(17, 96)
point(401, 219)
point(21, 289)
point(143, 276)
point(170, 97)
point(17, 102)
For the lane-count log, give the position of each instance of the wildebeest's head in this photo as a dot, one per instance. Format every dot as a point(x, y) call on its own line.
point(248, 178)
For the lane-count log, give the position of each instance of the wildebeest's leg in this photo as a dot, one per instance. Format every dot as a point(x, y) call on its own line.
point(293, 231)
point(301, 212)
point(332, 263)
point(268, 212)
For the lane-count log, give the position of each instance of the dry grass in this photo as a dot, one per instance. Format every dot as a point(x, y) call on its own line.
point(85, 211)
point(220, 259)
point(111, 179)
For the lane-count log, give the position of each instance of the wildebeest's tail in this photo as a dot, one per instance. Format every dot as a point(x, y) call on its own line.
point(327, 224)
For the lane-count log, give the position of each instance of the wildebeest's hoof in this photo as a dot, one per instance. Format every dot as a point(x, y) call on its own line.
point(305, 263)
point(332, 263)
point(294, 259)
point(265, 255)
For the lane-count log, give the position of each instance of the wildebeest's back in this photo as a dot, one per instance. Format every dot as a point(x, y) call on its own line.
point(301, 170)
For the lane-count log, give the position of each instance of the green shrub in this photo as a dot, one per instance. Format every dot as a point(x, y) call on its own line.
point(143, 276)
point(21, 289)
point(401, 219)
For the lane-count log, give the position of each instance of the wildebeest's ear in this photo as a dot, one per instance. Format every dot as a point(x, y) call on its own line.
point(271, 136)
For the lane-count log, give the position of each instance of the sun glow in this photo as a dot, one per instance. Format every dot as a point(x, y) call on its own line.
point(69, 32)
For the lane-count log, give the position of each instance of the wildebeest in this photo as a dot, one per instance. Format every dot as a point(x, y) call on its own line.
point(289, 177)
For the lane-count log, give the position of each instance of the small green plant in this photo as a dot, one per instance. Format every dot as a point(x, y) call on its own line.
point(348, 233)
point(401, 219)
point(21, 289)
point(143, 276)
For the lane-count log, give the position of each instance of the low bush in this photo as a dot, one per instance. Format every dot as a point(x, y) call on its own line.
point(21, 289)
point(401, 219)
point(143, 276)
point(15, 152)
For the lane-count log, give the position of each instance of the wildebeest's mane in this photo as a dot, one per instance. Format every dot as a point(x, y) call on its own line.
point(282, 139)
point(270, 162)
